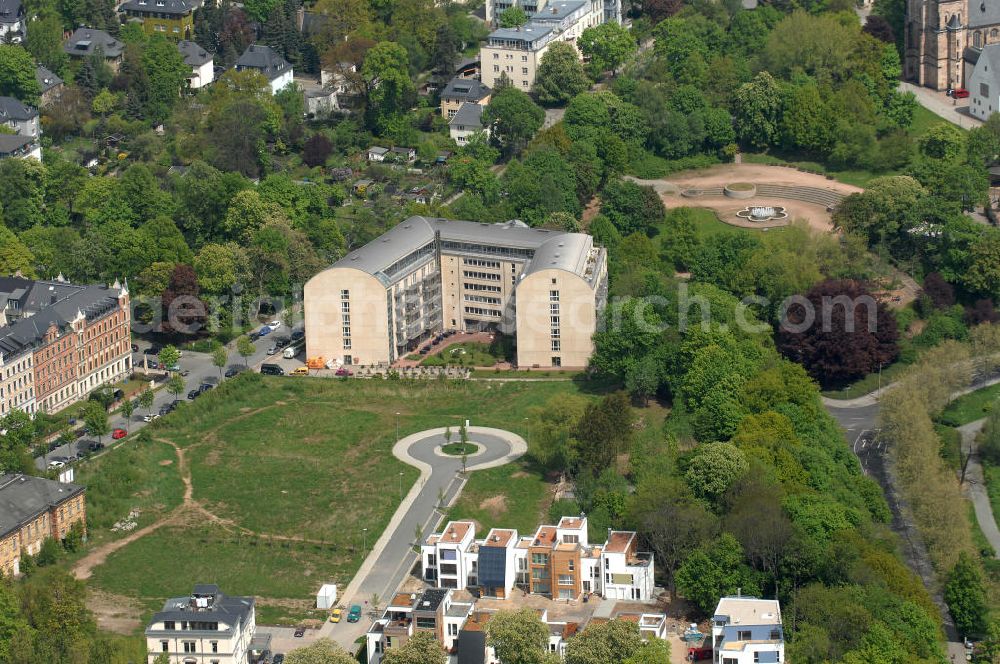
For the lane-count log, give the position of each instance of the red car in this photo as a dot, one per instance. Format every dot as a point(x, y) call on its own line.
point(118, 434)
point(960, 93)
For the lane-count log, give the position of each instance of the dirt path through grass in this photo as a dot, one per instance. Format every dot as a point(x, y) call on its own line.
point(189, 507)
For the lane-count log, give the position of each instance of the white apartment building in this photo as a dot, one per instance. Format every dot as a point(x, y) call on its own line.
point(426, 275)
point(206, 627)
point(557, 561)
point(747, 630)
point(517, 52)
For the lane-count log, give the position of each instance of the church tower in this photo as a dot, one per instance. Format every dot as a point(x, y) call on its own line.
point(934, 42)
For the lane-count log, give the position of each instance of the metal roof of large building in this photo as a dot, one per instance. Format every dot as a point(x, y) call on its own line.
point(205, 604)
point(552, 249)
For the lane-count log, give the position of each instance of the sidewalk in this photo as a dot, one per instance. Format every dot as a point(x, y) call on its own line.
point(940, 104)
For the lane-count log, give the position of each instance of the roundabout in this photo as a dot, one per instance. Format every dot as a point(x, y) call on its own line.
point(423, 507)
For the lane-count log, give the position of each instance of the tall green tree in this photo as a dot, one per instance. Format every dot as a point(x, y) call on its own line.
point(757, 111)
point(45, 37)
point(560, 75)
point(613, 641)
point(513, 119)
point(512, 17)
point(95, 417)
point(17, 74)
point(321, 651)
point(390, 90)
point(167, 73)
point(965, 594)
point(608, 46)
point(518, 637)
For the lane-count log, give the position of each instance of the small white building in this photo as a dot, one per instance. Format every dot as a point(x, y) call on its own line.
point(984, 83)
point(272, 66)
point(377, 153)
point(201, 62)
point(326, 598)
point(747, 630)
point(467, 122)
point(206, 627)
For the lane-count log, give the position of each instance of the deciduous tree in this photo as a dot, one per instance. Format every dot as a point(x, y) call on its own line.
point(421, 648)
point(608, 46)
point(965, 595)
point(17, 74)
point(321, 651)
point(513, 119)
point(613, 641)
point(518, 637)
point(560, 75)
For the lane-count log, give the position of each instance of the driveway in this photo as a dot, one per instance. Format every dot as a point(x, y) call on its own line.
point(392, 556)
point(953, 110)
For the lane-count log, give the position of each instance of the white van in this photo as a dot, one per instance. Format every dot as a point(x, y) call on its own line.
point(292, 350)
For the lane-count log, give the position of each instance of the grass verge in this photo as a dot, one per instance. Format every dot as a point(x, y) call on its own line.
point(511, 496)
point(971, 407)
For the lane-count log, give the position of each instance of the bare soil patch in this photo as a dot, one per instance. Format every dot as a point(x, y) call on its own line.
point(496, 505)
point(114, 613)
point(519, 474)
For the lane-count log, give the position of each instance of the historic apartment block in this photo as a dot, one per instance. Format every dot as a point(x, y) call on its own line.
point(426, 275)
point(59, 341)
point(33, 509)
point(557, 561)
point(206, 627)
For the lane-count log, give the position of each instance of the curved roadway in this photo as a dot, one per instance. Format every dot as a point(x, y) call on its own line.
point(392, 556)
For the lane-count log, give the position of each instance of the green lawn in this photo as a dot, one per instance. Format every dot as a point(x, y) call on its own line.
point(923, 119)
point(511, 496)
point(458, 449)
point(137, 475)
point(971, 407)
point(469, 354)
point(289, 470)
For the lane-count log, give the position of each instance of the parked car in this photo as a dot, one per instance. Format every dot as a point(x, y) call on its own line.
point(56, 463)
point(272, 349)
point(343, 371)
point(263, 332)
point(354, 615)
point(336, 615)
point(274, 324)
point(95, 446)
point(300, 632)
point(960, 93)
point(272, 370)
point(176, 366)
point(151, 416)
point(152, 364)
point(233, 371)
point(205, 387)
point(194, 394)
point(118, 433)
point(254, 336)
point(301, 371)
point(282, 341)
point(167, 408)
point(135, 349)
point(298, 334)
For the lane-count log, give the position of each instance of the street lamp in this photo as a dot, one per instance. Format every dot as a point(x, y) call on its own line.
point(365, 531)
point(397, 427)
point(400, 486)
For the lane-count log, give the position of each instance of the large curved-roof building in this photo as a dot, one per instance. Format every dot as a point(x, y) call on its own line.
point(427, 275)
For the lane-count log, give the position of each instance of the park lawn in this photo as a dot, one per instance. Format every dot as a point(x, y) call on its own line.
point(309, 460)
point(510, 496)
point(138, 475)
point(169, 561)
point(971, 407)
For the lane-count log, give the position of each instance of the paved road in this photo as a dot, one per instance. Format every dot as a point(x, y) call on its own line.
point(201, 370)
point(392, 556)
point(859, 419)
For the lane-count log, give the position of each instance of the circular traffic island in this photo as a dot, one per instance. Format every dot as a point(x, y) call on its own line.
point(458, 449)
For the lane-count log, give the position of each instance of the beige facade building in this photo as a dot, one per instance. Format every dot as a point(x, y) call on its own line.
point(517, 52)
point(428, 275)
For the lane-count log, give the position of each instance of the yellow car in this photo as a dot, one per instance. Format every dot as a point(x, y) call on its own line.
point(301, 371)
point(335, 615)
